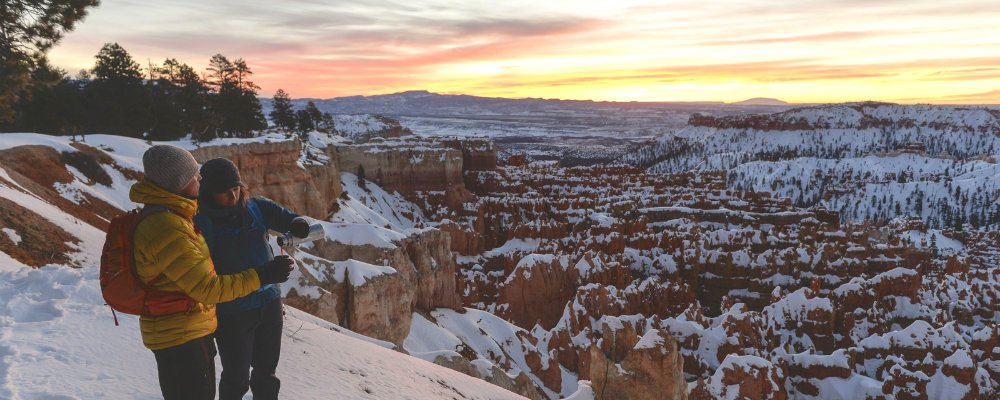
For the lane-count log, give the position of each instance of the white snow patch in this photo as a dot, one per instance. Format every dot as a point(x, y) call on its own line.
point(12, 235)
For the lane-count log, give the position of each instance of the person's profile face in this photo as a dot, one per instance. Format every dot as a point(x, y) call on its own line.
point(229, 197)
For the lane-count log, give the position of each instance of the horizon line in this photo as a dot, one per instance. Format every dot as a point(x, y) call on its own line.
point(718, 102)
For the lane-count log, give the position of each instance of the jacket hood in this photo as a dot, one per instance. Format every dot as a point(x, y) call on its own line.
point(149, 193)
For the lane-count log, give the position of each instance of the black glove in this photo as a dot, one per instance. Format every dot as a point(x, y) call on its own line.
point(299, 227)
point(276, 271)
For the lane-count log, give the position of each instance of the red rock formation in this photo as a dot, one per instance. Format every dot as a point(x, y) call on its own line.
point(961, 367)
point(409, 166)
point(731, 275)
point(478, 154)
point(804, 371)
point(985, 345)
point(464, 240)
point(516, 160)
point(650, 369)
point(903, 384)
point(750, 377)
point(537, 290)
point(383, 307)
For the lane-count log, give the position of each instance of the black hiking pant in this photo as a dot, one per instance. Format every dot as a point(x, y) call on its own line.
point(187, 371)
point(250, 338)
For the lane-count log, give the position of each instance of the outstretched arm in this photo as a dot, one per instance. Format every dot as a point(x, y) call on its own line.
point(276, 217)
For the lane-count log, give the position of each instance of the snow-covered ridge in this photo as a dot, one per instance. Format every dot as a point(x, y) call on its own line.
point(361, 127)
point(862, 116)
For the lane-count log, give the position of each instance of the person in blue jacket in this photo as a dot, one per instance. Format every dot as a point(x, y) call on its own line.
point(235, 227)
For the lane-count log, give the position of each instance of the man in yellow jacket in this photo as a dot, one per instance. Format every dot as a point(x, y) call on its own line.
point(171, 256)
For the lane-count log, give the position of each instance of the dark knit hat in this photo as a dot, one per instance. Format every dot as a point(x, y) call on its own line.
point(218, 175)
point(169, 167)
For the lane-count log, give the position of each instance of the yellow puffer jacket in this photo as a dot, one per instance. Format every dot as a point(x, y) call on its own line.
point(166, 244)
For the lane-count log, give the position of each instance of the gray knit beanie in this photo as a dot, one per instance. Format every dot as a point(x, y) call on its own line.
point(169, 167)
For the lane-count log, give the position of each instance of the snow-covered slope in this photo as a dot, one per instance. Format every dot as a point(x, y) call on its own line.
point(373, 205)
point(495, 342)
point(58, 341)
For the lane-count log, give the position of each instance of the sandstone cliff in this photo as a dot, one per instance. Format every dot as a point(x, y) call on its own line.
point(423, 279)
point(408, 166)
point(640, 374)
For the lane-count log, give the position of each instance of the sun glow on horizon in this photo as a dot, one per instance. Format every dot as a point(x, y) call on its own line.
point(808, 52)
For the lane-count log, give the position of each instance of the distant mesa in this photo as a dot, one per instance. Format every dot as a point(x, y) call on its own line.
point(761, 101)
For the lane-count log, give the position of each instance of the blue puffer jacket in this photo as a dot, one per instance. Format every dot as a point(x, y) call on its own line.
point(237, 240)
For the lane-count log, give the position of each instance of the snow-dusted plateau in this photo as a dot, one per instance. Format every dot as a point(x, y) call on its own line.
point(570, 131)
point(488, 248)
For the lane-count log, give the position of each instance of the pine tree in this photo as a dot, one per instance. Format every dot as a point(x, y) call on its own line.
point(327, 124)
point(28, 29)
point(115, 64)
point(178, 101)
point(303, 122)
point(165, 113)
point(242, 72)
point(235, 99)
point(190, 96)
point(54, 104)
point(314, 112)
point(282, 114)
point(315, 116)
point(310, 119)
point(119, 102)
point(220, 72)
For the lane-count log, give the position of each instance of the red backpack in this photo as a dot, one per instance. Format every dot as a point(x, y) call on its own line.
point(121, 286)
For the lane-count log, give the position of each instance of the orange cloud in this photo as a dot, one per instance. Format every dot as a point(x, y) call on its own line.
point(835, 50)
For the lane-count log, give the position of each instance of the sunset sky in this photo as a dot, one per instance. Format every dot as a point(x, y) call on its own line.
point(802, 51)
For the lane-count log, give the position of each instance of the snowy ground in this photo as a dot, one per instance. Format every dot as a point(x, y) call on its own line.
point(58, 341)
